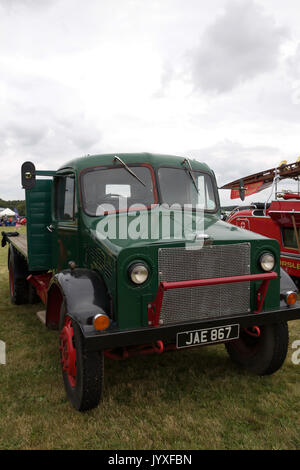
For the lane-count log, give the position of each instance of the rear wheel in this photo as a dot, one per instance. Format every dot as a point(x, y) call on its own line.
point(83, 371)
point(18, 285)
point(262, 353)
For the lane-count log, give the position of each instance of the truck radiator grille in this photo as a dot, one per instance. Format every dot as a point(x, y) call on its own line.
point(193, 303)
point(97, 259)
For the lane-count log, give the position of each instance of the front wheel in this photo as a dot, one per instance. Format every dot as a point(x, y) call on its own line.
point(261, 354)
point(82, 370)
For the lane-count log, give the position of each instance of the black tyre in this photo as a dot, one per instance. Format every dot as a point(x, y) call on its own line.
point(18, 285)
point(83, 371)
point(264, 354)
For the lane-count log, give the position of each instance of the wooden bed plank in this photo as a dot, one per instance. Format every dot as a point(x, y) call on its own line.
point(20, 243)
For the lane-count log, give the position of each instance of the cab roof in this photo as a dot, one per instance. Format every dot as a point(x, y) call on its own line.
point(155, 160)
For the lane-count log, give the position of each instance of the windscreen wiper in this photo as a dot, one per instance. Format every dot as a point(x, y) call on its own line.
point(128, 169)
point(190, 171)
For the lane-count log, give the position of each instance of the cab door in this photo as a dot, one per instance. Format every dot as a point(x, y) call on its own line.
point(65, 221)
point(39, 238)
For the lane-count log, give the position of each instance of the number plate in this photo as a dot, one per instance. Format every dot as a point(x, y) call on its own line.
point(218, 334)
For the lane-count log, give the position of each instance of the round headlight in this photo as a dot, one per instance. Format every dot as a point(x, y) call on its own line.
point(138, 273)
point(267, 261)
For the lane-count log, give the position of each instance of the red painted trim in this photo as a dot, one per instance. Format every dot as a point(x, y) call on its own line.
point(68, 351)
point(261, 294)
point(54, 303)
point(147, 165)
point(254, 331)
point(144, 349)
point(291, 196)
point(218, 280)
point(154, 307)
point(41, 284)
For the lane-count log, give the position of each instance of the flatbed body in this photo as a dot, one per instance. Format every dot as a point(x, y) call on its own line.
point(20, 243)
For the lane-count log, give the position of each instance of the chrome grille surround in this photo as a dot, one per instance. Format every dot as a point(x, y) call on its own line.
point(196, 303)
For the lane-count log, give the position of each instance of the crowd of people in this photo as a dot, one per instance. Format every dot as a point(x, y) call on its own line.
point(11, 221)
point(8, 221)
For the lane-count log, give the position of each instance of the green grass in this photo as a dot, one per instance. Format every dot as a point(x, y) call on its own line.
point(193, 399)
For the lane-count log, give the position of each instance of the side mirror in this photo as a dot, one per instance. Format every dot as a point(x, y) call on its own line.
point(28, 175)
point(242, 190)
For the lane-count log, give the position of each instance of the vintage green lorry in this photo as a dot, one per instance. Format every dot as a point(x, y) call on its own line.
point(129, 255)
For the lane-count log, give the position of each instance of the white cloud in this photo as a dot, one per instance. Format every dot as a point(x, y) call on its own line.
point(113, 76)
point(232, 160)
point(242, 43)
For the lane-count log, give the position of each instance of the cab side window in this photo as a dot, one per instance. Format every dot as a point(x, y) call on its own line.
point(289, 237)
point(64, 197)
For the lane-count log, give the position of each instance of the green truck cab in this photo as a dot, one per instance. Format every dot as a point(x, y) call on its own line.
point(129, 255)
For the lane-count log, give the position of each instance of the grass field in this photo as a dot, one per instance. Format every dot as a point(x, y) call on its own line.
point(193, 399)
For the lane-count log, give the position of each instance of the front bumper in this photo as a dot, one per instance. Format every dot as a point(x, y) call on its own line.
point(115, 338)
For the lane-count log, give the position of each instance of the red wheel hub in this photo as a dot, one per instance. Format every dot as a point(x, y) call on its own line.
point(254, 331)
point(68, 351)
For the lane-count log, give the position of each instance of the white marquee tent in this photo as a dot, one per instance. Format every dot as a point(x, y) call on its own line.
point(7, 212)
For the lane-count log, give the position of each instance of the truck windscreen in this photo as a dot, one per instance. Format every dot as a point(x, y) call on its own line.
point(116, 189)
point(177, 186)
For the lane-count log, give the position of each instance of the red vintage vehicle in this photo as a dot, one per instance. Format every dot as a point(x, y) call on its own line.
point(279, 219)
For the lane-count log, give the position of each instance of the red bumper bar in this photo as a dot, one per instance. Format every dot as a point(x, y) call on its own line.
point(154, 308)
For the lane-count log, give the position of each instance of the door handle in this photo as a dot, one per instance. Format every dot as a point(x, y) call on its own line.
point(50, 228)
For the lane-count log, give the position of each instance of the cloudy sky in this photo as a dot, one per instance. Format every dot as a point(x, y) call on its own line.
point(217, 80)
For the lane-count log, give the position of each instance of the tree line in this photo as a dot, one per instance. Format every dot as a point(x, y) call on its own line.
point(17, 204)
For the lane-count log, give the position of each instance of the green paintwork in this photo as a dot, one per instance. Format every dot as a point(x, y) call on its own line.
point(131, 301)
point(77, 240)
point(38, 210)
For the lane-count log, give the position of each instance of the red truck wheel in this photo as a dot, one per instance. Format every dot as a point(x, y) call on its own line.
point(263, 354)
point(82, 370)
